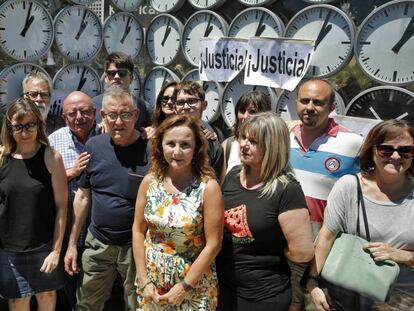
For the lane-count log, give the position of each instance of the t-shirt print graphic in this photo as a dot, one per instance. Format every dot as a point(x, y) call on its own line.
point(235, 220)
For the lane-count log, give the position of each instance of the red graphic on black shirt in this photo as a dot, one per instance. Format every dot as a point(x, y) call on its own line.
point(235, 220)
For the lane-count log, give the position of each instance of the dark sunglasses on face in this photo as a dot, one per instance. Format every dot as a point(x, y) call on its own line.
point(121, 73)
point(192, 102)
point(84, 113)
point(35, 94)
point(28, 127)
point(165, 99)
point(386, 151)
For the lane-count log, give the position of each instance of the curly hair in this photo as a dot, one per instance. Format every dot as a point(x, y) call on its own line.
point(158, 116)
point(200, 162)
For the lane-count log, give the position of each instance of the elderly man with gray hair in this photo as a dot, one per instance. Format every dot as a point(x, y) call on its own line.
point(119, 160)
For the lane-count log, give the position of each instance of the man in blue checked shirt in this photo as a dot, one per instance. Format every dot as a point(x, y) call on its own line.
point(79, 115)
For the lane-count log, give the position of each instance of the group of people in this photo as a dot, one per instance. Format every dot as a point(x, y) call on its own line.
point(187, 223)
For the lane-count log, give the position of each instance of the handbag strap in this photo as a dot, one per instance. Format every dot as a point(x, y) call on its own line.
point(364, 213)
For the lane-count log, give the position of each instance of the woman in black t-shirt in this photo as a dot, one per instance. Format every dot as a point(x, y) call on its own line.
point(266, 221)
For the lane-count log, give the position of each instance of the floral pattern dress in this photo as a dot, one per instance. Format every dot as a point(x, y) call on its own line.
point(174, 240)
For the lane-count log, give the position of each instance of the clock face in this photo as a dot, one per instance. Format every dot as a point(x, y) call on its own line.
point(286, 105)
point(11, 79)
point(234, 90)
point(83, 2)
point(163, 39)
point(256, 22)
point(26, 29)
point(78, 33)
point(383, 103)
point(123, 33)
point(333, 33)
point(213, 91)
point(256, 2)
point(206, 4)
point(165, 6)
point(135, 86)
point(384, 43)
point(127, 5)
point(320, 1)
point(154, 81)
point(201, 24)
point(78, 77)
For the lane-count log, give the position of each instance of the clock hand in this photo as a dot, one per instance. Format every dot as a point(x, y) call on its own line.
point(167, 32)
point(402, 116)
point(324, 30)
point(126, 31)
point(260, 27)
point(29, 20)
point(374, 113)
point(82, 26)
point(82, 80)
point(408, 33)
point(209, 27)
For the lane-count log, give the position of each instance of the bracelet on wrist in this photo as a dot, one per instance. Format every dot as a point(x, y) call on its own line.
point(187, 287)
point(142, 288)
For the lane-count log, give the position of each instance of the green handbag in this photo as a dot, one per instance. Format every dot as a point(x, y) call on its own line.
point(350, 267)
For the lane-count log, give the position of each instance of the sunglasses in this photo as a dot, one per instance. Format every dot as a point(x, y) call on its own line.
point(386, 151)
point(34, 94)
point(165, 99)
point(28, 127)
point(121, 73)
point(124, 116)
point(192, 102)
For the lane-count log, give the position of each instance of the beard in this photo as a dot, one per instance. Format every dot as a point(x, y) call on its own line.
point(44, 110)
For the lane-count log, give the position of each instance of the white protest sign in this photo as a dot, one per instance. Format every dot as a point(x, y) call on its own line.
point(221, 59)
point(278, 62)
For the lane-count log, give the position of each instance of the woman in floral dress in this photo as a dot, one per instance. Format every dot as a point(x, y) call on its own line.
point(178, 224)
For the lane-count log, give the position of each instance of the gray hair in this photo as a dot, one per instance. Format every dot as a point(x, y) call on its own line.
point(37, 76)
point(117, 93)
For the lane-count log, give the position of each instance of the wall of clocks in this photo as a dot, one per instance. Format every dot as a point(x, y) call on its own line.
point(365, 49)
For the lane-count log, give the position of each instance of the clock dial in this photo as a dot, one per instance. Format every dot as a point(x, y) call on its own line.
point(234, 90)
point(78, 33)
point(384, 43)
point(333, 33)
point(286, 105)
point(163, 39)
point(154, 81)
point(123, 33)
point(206, 4)
point(83, 2)
point(202, 24)
point(256, 22)
point(78, 77)
point(135, 86)
point(320, 1)
point(383, 103)
point(11, 79)
point(213, 91)
point(165, 6)
point(26, 29)
point(256, 2)
point(127, 5)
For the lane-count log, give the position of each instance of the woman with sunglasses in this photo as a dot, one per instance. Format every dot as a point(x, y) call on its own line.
point(386, 178)
point(33, 198)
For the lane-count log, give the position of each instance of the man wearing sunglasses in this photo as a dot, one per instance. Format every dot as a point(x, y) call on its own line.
point(38, 88)
point(79, 115)
point(118, 72)
point(108, 187)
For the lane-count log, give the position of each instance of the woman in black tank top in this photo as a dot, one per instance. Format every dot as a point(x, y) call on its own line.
point(33, 198)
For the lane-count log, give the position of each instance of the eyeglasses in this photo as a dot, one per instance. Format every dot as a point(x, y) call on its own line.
point(84, 113)
point(121, 73)
point(386, 151)
point(124, 116)
point(165, 99)
point(28, 127)
point(34, 94)
point(192, 102)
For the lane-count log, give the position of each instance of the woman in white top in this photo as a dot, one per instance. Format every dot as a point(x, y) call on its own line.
point(386, 179)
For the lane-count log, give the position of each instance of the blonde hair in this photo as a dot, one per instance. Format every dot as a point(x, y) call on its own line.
point(272, 136)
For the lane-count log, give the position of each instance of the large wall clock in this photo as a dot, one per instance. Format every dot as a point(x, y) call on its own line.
point(78, 33)
point(384, 45)
point(83, 2)
point(256, 2)
point(78, 77)
point(163, 39)
point(26, 29)
point(123, 33)
point(11, 79)
point(213, 91)
point(286, 105)
point(201, 24)
point(383, 103)
point(206, 4)
point(165, 6)
point(153, 83)
point(127, 5)
point(256, 22)
point(234, 90)
point(333, 33)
